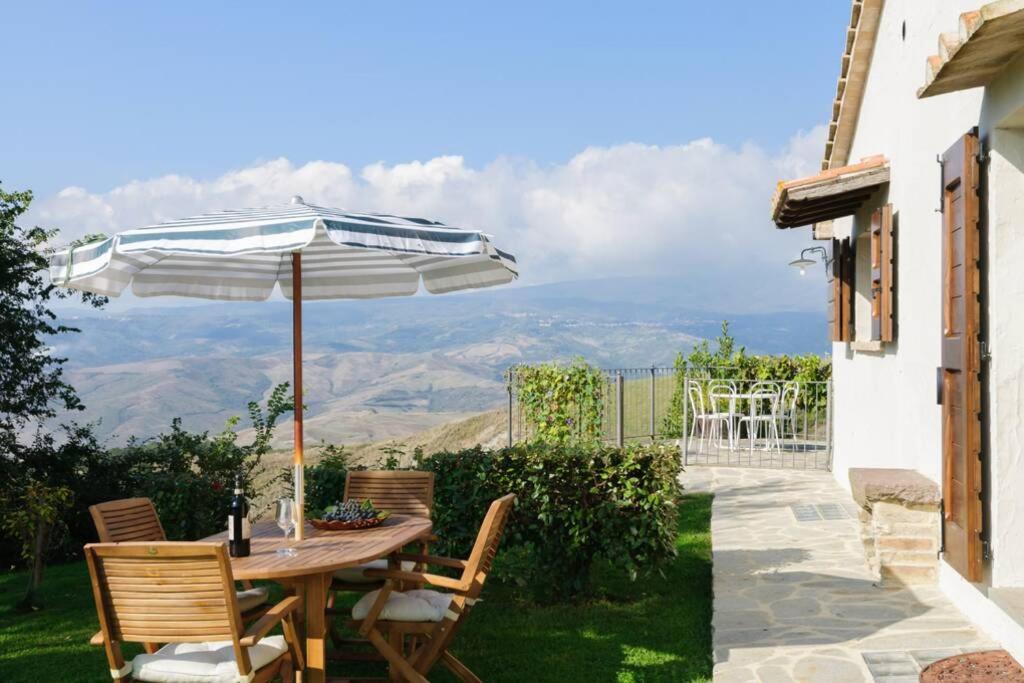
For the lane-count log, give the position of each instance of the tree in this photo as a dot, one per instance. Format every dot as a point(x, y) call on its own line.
point(32, 386)
point(32, 383)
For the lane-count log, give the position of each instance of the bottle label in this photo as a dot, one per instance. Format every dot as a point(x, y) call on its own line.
point(246, 528)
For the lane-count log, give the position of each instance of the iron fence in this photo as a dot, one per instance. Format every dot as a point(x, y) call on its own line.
point(634, 403)
point(724, 421)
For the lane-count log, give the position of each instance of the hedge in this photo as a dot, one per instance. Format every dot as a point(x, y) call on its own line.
point(574, 505)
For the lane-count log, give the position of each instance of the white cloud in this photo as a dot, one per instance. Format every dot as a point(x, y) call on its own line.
point(629, 209)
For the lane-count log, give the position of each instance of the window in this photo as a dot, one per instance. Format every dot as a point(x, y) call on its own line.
point(862, 289)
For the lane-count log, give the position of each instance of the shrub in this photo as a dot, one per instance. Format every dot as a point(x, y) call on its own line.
point(562, 404)
point(574, 505)
point(325, 481)
point(190, 476)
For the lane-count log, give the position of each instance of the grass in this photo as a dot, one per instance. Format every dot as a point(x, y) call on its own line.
point(654, 629)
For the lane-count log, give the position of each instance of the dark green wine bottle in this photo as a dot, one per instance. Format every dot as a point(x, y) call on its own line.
point(239, 531)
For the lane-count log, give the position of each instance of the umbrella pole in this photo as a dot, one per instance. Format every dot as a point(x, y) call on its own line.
point(297, 460)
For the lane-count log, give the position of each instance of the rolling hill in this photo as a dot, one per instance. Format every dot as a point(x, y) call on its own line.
point(386, 368)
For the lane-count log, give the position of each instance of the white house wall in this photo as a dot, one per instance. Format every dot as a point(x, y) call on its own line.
point(885, 412)
point(1002, 106)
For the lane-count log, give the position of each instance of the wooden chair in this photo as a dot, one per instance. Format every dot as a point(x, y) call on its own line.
point(183, 594)
point(135, 519)
point(400, 492)
point(413, 629)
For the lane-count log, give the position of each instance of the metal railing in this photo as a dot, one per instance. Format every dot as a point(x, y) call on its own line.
point(634, 403)
point(752, 423)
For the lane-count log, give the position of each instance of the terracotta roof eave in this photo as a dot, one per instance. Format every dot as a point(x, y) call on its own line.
point(853, 74)
point(828, 195)
point(987, 40)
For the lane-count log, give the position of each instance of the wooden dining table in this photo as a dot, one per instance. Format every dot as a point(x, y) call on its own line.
point(317, 556)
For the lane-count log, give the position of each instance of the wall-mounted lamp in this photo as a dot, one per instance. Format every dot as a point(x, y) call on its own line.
point(804, 262)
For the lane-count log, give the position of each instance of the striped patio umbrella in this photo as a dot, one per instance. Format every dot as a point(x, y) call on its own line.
point(311, 252)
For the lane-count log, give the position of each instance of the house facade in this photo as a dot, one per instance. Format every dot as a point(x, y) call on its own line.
point(920, 209)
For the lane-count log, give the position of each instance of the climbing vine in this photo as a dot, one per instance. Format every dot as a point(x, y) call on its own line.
point(561, 404)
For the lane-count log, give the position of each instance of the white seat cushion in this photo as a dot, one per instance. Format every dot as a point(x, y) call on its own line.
point(355, 574)
point(212, 662)
point(252, 598)
point(417, 605)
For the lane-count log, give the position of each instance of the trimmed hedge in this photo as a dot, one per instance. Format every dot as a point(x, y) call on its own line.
point(574, 505)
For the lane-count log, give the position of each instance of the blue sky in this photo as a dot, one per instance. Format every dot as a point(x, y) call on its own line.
point(592, 139)
point(99, 94)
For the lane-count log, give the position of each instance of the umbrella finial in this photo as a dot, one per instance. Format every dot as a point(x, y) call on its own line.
point(297, 199)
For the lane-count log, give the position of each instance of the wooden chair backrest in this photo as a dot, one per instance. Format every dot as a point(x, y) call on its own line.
point(400, 492)
point(165, 592)
point(128, 519)
point(485, 548)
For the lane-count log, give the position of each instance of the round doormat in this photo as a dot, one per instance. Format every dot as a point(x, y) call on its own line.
point(994, 665)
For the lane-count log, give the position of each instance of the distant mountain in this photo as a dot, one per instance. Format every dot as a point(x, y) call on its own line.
point(385, 368)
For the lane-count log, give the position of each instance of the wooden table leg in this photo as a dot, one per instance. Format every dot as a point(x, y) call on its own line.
point(315, 597)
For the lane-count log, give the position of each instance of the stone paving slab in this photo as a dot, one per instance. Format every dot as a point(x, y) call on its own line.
point(795, 600)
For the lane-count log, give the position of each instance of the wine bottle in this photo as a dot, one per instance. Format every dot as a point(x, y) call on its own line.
point(239, 531)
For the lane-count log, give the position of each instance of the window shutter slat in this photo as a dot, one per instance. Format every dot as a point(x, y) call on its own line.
point(846, 290)
point(834, 315)
point(888, 276)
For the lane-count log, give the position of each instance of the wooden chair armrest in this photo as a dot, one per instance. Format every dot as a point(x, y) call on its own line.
point(97, 639)
point(433, 559)
point(418, 577)
point(272, 618)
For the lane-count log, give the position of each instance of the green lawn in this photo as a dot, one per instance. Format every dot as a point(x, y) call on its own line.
point(656, 629)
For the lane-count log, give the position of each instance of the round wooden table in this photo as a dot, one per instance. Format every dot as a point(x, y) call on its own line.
point(317, 557)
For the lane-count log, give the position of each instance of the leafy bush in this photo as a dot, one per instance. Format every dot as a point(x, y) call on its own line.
point(71, 459)
point(325, 481)
point(562, 404)
point(729, 362)
point(574, 505)
point(190, 476)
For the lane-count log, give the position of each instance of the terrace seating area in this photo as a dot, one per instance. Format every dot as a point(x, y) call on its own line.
point(756, 422)
point(180, 601)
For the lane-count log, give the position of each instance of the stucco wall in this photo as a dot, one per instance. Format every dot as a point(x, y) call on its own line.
point(885, 411)
point(1003, 103)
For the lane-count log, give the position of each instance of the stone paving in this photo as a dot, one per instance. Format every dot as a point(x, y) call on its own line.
point(795, 600)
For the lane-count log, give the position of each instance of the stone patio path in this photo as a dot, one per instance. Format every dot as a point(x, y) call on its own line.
point(795, 601)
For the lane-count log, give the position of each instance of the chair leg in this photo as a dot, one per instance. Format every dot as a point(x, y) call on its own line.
point(395, 660)
point(458, 668)
point(397, 641)
point(286, 672)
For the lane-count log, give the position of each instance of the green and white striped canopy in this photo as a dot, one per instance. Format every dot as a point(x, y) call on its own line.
point(241, 255)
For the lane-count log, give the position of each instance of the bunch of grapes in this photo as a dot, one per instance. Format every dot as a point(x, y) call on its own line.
point(353, 511)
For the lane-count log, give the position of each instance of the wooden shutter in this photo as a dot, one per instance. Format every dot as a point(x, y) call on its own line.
point(847, 289)
point(840, 298)
point(835, 316)
point(883, 293)
point(959, 375)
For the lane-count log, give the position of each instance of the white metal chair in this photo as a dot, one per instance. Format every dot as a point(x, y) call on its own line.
point(709, 421)
point(764, 410)
point(787, 409)
point(721, 395)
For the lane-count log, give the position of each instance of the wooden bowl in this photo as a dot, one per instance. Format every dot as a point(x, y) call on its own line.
point(339, 525)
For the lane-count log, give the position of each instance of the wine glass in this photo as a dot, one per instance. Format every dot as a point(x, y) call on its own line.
point(285, 517)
